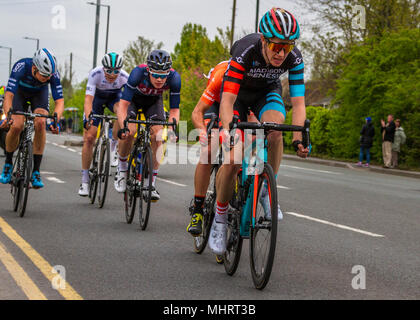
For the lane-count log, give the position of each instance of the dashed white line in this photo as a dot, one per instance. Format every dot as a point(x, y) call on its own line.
point(307, 169)
point(171, 182)
point(283, 187)
point(335, 225)
point(56, 180)
point(72, 150)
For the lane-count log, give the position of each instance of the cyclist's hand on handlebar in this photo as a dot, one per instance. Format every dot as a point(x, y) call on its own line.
point(203, 138)
point(172, 135)
point(301, 151)
point(4, 122)
point(123, 133)
point(55, 128)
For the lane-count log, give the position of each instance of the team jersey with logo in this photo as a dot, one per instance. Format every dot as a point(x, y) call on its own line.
point(21, 77)
point(212, 92)
point(98, 85)
point(139, 84)
point(247, 68)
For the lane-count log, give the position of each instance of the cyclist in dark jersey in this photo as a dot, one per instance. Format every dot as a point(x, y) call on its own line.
point(143, 91)
point(252, 83)
point(28, 82)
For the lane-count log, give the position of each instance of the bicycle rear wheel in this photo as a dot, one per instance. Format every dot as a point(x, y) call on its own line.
point(234, 239)
point(132, 190)
point(146, 187)
point(17, 184)
point(93, 173)
point(209, 210)
point(263, 233)
point(103, 172)
point(25, 182)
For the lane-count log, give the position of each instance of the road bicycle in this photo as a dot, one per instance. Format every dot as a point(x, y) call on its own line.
point(101, 162)
point(140, 170)
point(22, 166)
point(254, 206)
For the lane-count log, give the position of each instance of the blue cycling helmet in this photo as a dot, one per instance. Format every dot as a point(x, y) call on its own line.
point(279, 23)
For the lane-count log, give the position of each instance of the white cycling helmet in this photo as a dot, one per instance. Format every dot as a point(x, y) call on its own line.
point(112, 60)
point(45, 62)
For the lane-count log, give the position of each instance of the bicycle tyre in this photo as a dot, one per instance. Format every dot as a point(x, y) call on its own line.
point(209, 211)
point(26, 181)
point(93, 173)
point(232, 255)
point(132, 189)
point(103, 172)
point(261, 271)
point(146, 193)
point(16, 182)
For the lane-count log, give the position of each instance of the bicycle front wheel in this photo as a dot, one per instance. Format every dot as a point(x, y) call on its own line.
point(103, 173)
point(93, 173)
point(133, 189)
point(263, 233)
point(146, 187)
point(25, 183)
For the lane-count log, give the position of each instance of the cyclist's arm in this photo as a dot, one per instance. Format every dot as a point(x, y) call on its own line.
point(122, 111)
point(197, 115)
point(226, 108)
point(59, 108)
point(298, 115)
point(88, 105)
point(7, 102)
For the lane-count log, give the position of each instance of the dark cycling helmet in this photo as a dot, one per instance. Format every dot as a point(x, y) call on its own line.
point(279, 23)
point(112, 60)
point(159, 60)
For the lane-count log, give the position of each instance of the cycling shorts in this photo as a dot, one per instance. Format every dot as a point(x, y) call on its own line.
point(151, 107)
point(36, 100)
point(99, 105)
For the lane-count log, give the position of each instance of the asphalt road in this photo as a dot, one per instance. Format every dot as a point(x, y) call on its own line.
point(339, 224)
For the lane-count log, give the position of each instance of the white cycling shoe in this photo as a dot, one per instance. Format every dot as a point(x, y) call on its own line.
point(114, 158)
point(217, 240)
point(84, 190)
point(120, 181)
point(265, 202)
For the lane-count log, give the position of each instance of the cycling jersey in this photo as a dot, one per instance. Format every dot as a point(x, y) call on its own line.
point(22, 78)
point(248, 70)
point(98, 86)
point(139, 85)
point(212, 92)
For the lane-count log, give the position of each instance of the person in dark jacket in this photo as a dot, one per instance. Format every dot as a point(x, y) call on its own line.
point(388, 132)
point(366, 140)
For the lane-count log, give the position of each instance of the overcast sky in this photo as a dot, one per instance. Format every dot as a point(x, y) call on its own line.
point(158, 20)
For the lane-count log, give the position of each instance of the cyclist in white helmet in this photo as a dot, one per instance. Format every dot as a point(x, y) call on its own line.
point(103, 90)
point(28, 82)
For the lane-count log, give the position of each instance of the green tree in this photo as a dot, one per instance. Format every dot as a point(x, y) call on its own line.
point(137, 51)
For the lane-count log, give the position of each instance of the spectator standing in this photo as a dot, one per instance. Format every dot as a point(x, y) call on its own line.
point(70, 125)
point(399, 139)
point(366, 140)
point(388, 132)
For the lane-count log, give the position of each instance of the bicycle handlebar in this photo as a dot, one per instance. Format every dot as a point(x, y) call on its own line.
point(269, 126)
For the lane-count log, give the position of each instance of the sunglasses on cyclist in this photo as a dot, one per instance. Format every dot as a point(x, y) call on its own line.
point(278, 47)
point(158, 75)
point(112, 71)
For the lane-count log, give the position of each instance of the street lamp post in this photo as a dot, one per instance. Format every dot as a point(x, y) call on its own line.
point(10, 57)
point(107, 21)
point(36, 39)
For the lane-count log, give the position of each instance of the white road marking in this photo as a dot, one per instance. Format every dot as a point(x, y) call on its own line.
point(72, 150)
point(55, 144)
point(307, 169)
point(171, 182)
point(335, 225)
point(56, 180)
point(283, 187)
point(47, 172)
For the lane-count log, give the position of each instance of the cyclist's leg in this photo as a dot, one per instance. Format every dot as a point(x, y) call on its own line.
point(113, 107)
point(40, 104)
point(12, 137)
point(271, 109)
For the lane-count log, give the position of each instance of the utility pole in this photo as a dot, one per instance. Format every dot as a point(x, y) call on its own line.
point(95, 48)
point(233, 22)
point(10, 57)
point(256, 16)
point(107, 28)
point(71, 66)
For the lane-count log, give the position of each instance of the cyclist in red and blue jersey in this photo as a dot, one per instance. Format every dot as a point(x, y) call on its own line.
point(143, 91)
point(103, 90)
point(28, 82)
point(252, 83)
